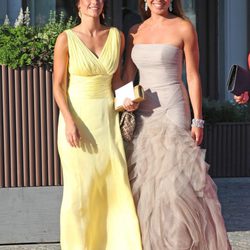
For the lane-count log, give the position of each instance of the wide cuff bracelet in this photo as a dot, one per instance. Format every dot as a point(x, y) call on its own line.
point(198, 123)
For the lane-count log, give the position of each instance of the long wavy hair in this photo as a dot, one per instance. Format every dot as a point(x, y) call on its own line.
point(177, 9)
point(103, 16)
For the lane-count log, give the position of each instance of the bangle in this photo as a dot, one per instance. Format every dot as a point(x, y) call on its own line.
point(198, 123)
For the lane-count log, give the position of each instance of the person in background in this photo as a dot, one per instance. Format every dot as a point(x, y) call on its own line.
point(97, 211)
point(244, 97)
point(176, 199)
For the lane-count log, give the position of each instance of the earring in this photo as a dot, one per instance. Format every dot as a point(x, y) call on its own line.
point(146, 5)
point(103, 16)
point(171, 6)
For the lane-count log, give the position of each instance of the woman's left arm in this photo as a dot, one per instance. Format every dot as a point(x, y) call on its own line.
point(191, 51)
point(116, 80)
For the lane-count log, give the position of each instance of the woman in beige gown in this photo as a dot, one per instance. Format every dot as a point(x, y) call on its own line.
point(176, 199)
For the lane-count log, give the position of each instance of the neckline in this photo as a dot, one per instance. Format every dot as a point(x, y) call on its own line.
point(159, 44)
point(88, 49)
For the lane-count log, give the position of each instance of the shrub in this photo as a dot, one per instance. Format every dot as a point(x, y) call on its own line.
point(23, 45)
point(225, 111)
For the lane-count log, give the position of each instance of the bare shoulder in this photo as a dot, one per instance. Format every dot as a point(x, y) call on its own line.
point(134, 29)
point(186, 28)
point(62, 40)
point(122, 37)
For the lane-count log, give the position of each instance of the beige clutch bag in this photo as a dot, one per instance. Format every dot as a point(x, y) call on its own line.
point(135, 93)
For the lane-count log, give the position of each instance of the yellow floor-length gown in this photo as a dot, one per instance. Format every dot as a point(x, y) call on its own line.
point(97, 211)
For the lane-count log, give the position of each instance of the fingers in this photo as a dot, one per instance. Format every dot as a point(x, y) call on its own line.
point(198, 140)
point(193, 135)
point(245, 97)
point(242, 99)
point(74, 139)
point(197, 135)
point(238, 99)
point(129, 105)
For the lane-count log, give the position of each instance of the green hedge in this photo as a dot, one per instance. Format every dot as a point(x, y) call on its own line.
point(225, 111)
point(23, 45)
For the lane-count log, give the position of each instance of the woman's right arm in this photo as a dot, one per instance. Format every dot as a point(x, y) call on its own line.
point(60, 88)
point(129, 70)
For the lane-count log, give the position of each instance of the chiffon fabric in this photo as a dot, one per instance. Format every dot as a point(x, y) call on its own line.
point(176, 199)
point(97, 211)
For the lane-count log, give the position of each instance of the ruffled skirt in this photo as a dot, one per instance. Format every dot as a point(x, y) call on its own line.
point(176, 199)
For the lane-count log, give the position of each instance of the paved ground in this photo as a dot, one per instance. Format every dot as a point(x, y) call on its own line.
point(234, 194)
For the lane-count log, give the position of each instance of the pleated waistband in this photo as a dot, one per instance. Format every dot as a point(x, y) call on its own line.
point(98, 86)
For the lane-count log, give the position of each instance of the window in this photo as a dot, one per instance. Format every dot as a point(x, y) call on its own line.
point(189, 8)
point(40, 9)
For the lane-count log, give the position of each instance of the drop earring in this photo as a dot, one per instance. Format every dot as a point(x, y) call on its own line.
point(171, 6)
point(80, 14)
point(146, 5)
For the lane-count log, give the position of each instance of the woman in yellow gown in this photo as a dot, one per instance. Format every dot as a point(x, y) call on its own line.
point(97, 211)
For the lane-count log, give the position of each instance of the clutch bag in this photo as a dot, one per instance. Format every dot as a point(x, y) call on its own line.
point(127, 125)
point(135, 93)
point(238, 80)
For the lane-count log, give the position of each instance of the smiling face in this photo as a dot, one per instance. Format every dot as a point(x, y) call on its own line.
point(158, 7)
point(90, 8)
point(161, 7)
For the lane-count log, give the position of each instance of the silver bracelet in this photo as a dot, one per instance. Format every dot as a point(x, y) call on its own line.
point(198, 123)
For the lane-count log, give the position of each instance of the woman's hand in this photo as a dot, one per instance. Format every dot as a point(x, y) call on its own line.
point(242, 99)
point(129, 105)
point(197, 135)
point(72, 134)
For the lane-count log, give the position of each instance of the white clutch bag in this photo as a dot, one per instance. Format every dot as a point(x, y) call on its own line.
point(135, 93)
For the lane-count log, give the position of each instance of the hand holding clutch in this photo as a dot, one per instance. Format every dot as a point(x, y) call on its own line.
point(134, 93)
point(238, 80)
point(130, 105)
point(243, 98)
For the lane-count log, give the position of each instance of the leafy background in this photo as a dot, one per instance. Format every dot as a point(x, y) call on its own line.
point(24, 45)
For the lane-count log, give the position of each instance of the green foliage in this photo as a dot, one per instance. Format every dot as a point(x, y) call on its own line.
point(46, 37)
point(23, 45)
point(226, 111)
point(16, 45)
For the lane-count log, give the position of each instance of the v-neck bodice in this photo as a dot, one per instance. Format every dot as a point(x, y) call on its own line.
point(83, 62)
point(86, 47)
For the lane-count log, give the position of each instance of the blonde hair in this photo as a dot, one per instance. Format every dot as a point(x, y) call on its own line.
point(176, 5)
